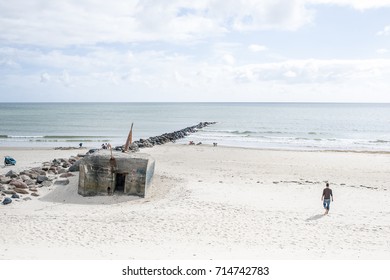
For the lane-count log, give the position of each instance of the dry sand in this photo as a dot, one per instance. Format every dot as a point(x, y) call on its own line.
point(211, 203)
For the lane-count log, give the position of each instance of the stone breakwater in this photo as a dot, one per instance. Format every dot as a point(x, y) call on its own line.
point(165, 138)
point(28, 183)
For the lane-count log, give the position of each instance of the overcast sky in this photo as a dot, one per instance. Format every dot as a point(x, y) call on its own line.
point(217, 50)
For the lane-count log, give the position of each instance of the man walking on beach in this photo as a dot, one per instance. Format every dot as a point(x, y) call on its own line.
point(326, 194)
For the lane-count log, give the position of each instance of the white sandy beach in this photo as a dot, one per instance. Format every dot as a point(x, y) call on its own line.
point(211, 203)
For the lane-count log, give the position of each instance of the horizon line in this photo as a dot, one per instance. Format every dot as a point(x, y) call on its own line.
point(188, 102)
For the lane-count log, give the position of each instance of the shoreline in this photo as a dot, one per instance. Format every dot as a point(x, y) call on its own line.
point(86, 148)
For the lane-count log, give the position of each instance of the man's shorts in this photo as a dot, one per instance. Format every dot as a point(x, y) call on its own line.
point(326, 203)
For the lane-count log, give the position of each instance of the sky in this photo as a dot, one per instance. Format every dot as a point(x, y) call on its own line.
point(195, 51)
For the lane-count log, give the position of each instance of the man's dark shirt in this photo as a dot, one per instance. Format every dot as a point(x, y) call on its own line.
point(327, 193)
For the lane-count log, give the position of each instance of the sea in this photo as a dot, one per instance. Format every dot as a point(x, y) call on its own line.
point(291, 126)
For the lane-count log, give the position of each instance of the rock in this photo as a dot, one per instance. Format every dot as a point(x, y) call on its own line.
point(18, 184)
point(34, 194)
point(7, 200)
point(73, 159)
point(56, 161)
point(134, 147)
point(30, 182)
point(51, 177)
point(34, 175)
point(91, 151)
point(2, 188)
point(22, 191)
point(53, 168)
point(33, 190)
point(147, 144)
point(140, 145)
point(25, 177)
point(9, 192)
point(11, 174)
point(46, 167)
point(4, 180)
point(42, 178)
point(61, 170)
point(166, 137)
point(64, 181)
point(66, 175)
point(75, 167)
point(46, 183)
point(15, 195)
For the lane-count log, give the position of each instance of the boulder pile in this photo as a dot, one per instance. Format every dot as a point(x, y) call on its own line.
point(27, 183)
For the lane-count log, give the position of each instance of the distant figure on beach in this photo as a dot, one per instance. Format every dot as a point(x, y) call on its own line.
point(215, 144)
point(80, 145)
point(104, 146)
point(191, 143)
point(326, 194)
point(108, 146)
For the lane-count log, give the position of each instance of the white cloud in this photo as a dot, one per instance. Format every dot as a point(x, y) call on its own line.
point(317, 71)
point(290, 74)
point(382, 51)
point(132, 45)
point(161, 76)
point(85, 22)
point(45, 77)
point(356, 4)
point(384, 32)
point(65, 79)
point(257, 48)
point(67, 23)
point(229, 59)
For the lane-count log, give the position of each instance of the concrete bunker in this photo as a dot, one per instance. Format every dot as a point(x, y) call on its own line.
point(120, 174)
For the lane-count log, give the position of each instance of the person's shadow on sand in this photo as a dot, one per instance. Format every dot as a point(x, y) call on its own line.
point(315, 217)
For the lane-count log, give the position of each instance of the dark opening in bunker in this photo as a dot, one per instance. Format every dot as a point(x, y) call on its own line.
point(120, 182)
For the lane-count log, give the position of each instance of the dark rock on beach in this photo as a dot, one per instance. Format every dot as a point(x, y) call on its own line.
point(75, 167)
point(11, 174)
point(7, 200)
point(42, 178)
point(15, 195)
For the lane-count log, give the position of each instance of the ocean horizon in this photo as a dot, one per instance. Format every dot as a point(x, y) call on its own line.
point(265, 125)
